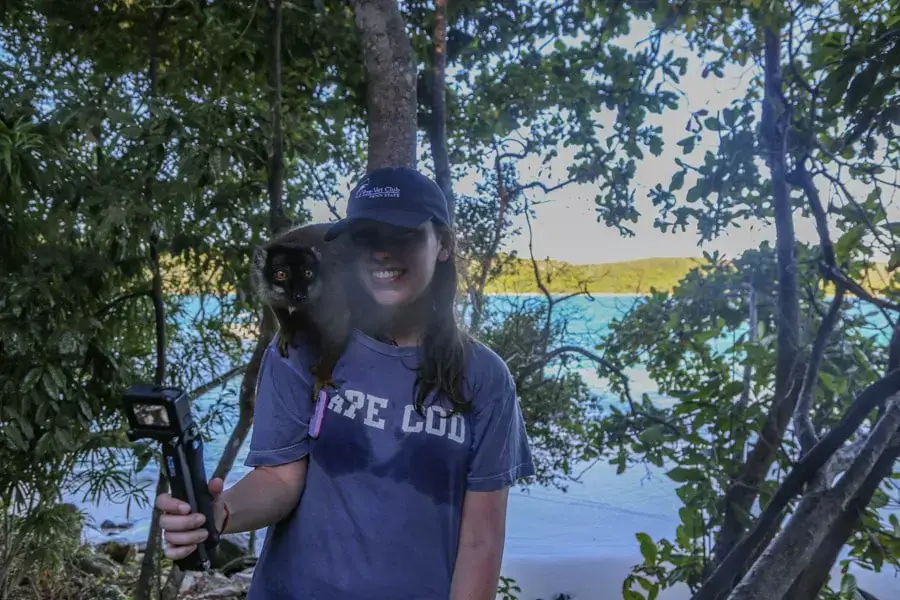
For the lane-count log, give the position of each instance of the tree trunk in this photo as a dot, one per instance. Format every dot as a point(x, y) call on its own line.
point(277, 221)
point(437, 131)
point(774, 573)
point(816, 574)
point(740, 496)
point(149, 564)
point(390, 83)
point(247, 402)
point(487, 261)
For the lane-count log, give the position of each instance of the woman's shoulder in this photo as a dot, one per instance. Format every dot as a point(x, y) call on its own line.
point(485, 369)
point(299, 356)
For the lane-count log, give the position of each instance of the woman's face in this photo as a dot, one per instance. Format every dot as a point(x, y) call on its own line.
point(396, 265)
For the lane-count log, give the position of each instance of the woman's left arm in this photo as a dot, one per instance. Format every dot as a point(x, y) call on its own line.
point(500, 456)
point(481, 537)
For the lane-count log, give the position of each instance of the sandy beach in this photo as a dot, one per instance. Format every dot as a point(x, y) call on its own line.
point(601, 578)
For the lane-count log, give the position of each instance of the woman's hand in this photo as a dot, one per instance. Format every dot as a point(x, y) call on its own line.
point(183, 529)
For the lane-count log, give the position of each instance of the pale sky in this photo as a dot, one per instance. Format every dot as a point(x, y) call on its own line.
point(566, 227)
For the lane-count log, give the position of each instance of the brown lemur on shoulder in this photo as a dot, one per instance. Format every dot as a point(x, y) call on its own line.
point(302, 279)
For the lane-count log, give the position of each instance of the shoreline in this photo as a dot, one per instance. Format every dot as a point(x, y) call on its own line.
point(601, 578)
point(559, 294)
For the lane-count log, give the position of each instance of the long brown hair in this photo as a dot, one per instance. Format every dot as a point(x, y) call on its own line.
point(444, 346)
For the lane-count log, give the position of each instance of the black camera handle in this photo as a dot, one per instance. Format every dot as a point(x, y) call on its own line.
point(189, 484)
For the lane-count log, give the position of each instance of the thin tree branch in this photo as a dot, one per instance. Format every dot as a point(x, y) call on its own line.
point(122, 299)
point(218, 381)
point(606, 366)
point(150, 564)
point(838, 276)
point(752, 335)
point(277, 219)
point(802, 421)
point(438, 129)
point(331, 207)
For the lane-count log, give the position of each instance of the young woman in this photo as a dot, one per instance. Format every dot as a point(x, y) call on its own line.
point(401, 491)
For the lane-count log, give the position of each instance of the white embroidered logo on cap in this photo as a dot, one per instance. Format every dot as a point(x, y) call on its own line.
point(383, 191)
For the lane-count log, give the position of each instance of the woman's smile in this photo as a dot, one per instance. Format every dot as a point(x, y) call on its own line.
point(388, 275)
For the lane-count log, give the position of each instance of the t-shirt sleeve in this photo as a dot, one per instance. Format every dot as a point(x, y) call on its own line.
point(501, 453)
point(283, 408)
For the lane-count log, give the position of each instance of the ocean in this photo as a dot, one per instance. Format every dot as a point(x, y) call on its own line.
point(595, 519)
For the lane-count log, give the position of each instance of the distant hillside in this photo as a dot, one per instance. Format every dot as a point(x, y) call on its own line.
point(627, 277)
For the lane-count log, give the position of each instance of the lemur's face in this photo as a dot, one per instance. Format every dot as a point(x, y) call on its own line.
point(293, 274)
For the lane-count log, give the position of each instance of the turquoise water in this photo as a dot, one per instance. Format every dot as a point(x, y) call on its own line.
point(598, 516)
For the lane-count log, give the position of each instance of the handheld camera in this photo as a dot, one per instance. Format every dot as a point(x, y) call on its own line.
point(164, 414)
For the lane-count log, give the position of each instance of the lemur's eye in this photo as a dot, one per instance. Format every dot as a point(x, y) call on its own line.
point(308, 274)
point(281, 275)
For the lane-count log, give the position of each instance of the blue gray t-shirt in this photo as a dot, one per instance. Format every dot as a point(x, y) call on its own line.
point(380, 513)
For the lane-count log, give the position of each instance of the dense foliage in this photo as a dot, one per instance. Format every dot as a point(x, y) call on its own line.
point(140, 138)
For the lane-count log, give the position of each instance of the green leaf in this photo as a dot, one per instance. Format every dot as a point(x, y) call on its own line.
point(49, 385)
point(43, 446)
point(849, 241)
point(712, 123)
point(862, 84)
point(732, 389)
point(31, 379)
point(730, 116)
point(894, 260)
point(58, 377)
point(691, 521)
point(652, 435)
point(687, 144)
point(837, 81)
point(681, 475)
point(648, 548)
point(677, 181)
point(687, 493)
point(85, 409)
point(64, 438)
point(848, 584)
point(693, 194)
point(14, 436)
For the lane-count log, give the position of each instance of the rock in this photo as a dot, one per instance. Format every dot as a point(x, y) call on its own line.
point(99, 565)
point(211, 585)
point(243, 577)
point(119, 552)
point(231, 546)
point(133, 535)
point(189, 581)
point(242, 563)
point(229, 593)
point(108, 524)
point(106, 591)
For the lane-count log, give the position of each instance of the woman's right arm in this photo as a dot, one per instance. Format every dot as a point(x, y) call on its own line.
point(264, 496)
point(278, 452)
point(261, 498)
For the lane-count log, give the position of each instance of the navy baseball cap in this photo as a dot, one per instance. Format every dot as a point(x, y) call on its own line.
point(397, 196)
